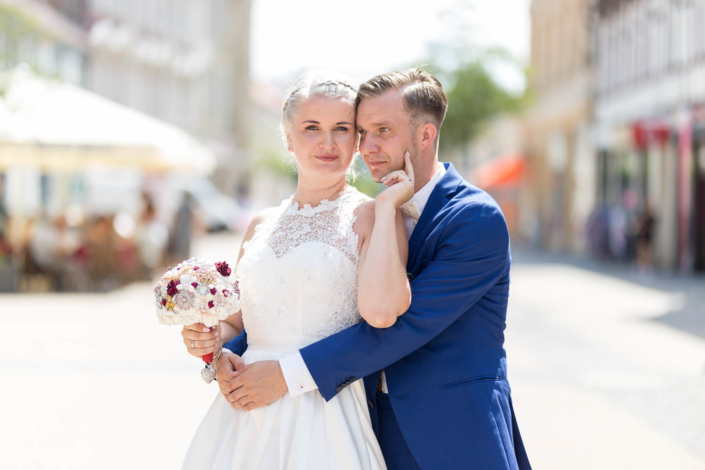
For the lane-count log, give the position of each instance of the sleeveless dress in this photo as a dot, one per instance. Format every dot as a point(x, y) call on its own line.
point(298, 278)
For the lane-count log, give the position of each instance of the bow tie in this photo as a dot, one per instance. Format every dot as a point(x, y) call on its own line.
point(411, 210)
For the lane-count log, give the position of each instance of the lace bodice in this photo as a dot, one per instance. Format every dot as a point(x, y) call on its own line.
point(298, 275)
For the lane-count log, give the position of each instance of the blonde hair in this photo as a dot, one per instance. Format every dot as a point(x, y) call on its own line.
point(423, 94)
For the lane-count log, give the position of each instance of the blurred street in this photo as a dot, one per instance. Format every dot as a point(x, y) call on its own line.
point(601, 379)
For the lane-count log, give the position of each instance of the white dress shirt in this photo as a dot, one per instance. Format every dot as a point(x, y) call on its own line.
point(298, 378)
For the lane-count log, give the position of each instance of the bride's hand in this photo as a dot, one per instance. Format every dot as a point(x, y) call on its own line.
point(201, 340)
point(400, 185)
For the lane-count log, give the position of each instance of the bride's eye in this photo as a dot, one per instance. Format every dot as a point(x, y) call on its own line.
point(312, 128)
point(342, 128)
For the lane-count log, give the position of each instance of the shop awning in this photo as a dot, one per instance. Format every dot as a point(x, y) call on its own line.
point(56, 126)
point(501, 172)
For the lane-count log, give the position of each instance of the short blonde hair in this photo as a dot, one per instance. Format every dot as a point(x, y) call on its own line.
point(423, 94)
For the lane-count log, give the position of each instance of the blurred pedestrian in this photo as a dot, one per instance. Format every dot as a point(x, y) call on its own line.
point(646, 224)
point(102, 254)
point(179, 247)
point(152, 237)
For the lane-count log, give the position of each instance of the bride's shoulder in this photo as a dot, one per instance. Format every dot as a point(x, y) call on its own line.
point(364, 217)
point(257, 220)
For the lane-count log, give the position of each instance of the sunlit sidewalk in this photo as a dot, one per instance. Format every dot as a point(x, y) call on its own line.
point(92, 382)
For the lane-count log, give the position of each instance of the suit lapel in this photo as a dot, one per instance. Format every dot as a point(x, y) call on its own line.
point(441, 194)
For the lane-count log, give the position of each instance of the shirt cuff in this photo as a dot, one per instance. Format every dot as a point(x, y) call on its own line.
point(298, 378)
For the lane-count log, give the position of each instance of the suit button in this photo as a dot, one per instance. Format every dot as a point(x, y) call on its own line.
point(372, 405)
point(338, 389)
point(409, 276)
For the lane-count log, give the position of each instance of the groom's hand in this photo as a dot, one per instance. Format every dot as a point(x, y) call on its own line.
point(227, 367)
point(259, 385)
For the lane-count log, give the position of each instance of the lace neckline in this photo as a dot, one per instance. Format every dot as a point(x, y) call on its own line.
point(291, 207)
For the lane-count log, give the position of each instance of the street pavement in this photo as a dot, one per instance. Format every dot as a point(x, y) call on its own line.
point(607, 372)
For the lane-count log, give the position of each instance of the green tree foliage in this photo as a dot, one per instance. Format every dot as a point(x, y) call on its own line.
point(474, 99)
point(475, 96)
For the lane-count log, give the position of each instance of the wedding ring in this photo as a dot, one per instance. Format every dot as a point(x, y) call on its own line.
point(192, 345)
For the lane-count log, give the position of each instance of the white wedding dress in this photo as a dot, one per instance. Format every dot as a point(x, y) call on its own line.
point(298, 278)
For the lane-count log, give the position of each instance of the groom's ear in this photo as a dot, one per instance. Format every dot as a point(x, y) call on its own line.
point(427, 134)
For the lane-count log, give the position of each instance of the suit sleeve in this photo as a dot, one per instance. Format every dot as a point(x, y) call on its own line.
point(473, 254)
point(238, 344)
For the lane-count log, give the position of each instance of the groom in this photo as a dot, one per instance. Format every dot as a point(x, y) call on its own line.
point(436, 380)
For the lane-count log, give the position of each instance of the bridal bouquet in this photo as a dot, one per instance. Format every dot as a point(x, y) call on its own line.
point(197, 291)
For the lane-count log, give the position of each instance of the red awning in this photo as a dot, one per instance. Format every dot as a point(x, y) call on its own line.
point(501, 172)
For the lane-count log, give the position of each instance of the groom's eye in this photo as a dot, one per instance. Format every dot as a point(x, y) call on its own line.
point(384, 129)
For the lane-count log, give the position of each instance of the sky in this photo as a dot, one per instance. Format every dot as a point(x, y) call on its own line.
point(363, 38)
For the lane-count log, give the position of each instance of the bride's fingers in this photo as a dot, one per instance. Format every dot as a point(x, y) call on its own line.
point(198, 336)
point(201, 344)
point(200, 352)
point(408, 167)
point(395, 177)
point(198, 327)
point(237, 362)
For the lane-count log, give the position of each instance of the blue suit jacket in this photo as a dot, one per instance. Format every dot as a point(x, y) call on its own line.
point(444, 358)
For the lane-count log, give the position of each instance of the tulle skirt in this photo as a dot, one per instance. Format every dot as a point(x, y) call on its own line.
point(302, 433)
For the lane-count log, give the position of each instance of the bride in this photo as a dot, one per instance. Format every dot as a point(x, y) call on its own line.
point(323, 260)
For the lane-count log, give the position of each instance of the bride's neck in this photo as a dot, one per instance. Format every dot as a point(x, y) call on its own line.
point(313, 194)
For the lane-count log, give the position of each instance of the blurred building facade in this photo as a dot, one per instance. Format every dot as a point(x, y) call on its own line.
point(650, 93)
point(560, 175)
point(185, 62)
point(498, 166)
point(182, 61)
point(616, 137)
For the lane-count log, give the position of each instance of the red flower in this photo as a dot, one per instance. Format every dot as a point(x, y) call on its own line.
point(164, 302)
point(195, 268)
point(223, 269)
point(214, 291)
point(211, 304)
point(171, 288)
point(194, 284)
point(225, 292)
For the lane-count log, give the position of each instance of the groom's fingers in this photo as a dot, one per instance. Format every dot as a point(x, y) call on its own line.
point(239, 397)
point(241, 402)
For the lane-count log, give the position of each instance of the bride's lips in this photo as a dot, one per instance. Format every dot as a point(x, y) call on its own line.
point(327, 157)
